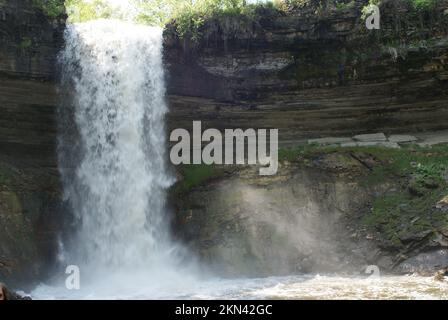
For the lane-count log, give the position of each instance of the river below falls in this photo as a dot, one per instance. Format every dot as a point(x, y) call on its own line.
point(308, 287)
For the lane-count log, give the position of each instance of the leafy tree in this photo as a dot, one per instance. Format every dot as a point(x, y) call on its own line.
point(84, 10)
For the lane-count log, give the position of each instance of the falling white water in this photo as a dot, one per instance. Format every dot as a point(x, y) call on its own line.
point(115, 177)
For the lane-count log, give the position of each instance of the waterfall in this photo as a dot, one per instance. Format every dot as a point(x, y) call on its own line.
point(112, 145)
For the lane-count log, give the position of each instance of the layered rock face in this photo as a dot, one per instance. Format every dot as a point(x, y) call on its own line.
point(29, 184)
point(30, 43)
point(313, 72)
point(299, 221)
point(327, 210)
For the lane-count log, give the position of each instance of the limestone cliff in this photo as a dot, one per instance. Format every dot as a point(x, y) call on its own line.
point(313, 71)
point(30, 42)
point(310, 72)
point(29, 185)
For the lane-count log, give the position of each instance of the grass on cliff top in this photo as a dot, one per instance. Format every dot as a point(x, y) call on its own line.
point(397, 161)
point(187, 16)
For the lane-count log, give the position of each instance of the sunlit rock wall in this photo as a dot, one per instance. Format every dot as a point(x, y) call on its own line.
point(313, 72)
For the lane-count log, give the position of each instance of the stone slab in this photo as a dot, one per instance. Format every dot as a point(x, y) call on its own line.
point(349, 144)
point(385, 144)
point(402, 138)
point(330, 140)
point(370, 137)
point(433, 140)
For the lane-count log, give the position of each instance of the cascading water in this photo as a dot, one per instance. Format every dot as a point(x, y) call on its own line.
point(118, 187)
point(112, 158)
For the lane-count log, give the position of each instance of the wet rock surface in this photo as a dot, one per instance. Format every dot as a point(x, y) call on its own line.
point(296, 221)
point(427, 263)
point(6, 294)
point(443, 204)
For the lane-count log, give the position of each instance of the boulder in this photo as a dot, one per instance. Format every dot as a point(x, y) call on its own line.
point(441, 274)
point(6, 294)
point(427, 263)
point(443, 204)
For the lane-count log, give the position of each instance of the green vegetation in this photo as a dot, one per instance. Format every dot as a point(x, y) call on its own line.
point(194, 175)
point(25, 43)
point(400, 216)
point(83, 10)
point(154, 12)
point(51, 8)
point(422, 4)
point(189, 16)
point(416, 6)
point(408, 211)
point(395, 163)
point(405, 22)
point(292, 154)
point(345, 5)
